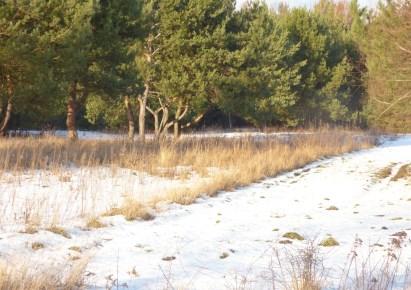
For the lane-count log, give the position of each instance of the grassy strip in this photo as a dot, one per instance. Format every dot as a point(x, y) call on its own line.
point(243, 161)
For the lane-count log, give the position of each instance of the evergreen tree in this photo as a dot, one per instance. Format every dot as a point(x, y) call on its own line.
point(260, 78)
point(388, 50)
point(187, 50)
point(326, 90)
point(26, 78)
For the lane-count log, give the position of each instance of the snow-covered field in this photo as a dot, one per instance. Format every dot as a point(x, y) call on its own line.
point(224, 242)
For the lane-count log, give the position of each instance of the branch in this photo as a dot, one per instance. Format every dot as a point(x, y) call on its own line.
point(381, 102)
point(392, 104)
point(198, 119)
point(183, 114)
point(401, 47)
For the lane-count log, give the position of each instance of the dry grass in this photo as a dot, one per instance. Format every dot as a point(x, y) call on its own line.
point(95, 223)
point(54, 153)
point(244, 161)
point(226, 163)
point(132, 210)
point(58, 231)
point(299, 268)
point(329, 242)
point(403, 172)
point(20, 275)
point(383, 173)
point(388, 273)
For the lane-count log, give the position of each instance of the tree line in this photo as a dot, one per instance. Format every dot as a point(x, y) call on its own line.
point(166, 64)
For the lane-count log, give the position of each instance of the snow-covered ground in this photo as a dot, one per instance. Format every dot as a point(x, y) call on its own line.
point(220, 242)
point(201, 134)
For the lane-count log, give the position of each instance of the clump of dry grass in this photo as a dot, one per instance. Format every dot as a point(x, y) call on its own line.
point(37, 246)
point(23, 274)
point(58, 231)
point(332, 207)
point(329, 242)
point(403, 172)
point(299, 268)
point(132, 210)
point(383, 173)
point(95, 223)
point(293, 236)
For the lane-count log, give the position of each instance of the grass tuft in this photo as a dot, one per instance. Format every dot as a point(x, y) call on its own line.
point(383, 173)
point(132, 210)
point(329, 242)
point(75, 249)
point(332, 208)
point(95, 223)
point(403, 172)
point(224, 255)
point(59, 231)
point(37, 246)
point(293, 236)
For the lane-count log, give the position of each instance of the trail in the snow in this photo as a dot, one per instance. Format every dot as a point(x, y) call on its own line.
point(219, 242)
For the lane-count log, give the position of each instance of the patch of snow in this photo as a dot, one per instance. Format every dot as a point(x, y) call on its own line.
point(217, 242)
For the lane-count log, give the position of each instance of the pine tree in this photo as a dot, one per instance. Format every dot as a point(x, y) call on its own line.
point(389, 67)
point(187, 51)
point(260, 76)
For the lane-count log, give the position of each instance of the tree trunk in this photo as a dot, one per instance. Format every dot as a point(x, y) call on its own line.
point(9, 108)
point(156, 125)
point(176, 130)
point(130, 116)
point(71, 112)
point(7, 115)
point(142, 114)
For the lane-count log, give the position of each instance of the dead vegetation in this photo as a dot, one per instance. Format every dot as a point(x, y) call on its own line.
point(403, 172)
point(132, 210)
point(22, 274)
point(222, 164)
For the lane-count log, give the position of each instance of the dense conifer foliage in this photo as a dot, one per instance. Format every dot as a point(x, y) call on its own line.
point(171, 63)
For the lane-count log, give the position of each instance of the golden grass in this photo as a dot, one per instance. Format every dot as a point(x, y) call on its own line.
point(244, 161)
point(224, 164)
point(22, 274)
point(58, 231)
point(132, 210)
point(403, 172)
point(95, 223)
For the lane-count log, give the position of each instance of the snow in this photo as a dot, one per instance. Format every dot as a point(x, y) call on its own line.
point(184, 246)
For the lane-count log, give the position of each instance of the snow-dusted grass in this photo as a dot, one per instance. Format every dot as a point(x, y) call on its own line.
point(25, 273)
point(228, 241)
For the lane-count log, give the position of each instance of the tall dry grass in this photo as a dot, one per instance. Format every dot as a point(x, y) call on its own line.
point(247, 160)
point(22, 275)
point(222, 163)
point(54, 153)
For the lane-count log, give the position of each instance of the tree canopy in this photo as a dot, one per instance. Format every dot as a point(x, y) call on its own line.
point(174, 62)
